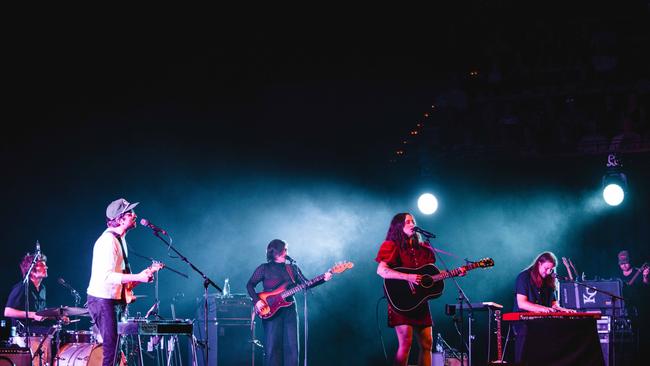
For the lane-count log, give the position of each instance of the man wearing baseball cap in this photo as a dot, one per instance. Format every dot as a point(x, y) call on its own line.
point(629, 273)
point(110, 273)
point(635, 292)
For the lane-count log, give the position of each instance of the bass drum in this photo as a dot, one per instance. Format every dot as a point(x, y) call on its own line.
point(80, 354)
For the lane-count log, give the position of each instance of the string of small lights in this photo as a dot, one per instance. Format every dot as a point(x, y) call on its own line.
point(400, 152)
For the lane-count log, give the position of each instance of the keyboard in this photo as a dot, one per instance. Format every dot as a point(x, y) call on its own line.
point(556, 315)
point(155, 327)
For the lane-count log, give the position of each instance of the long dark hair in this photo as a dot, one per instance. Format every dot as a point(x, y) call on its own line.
point(274, 249)
point(535, 278)
point(396, 231)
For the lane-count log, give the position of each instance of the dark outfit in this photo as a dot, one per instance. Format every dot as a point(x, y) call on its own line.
point(541, 296)
point(16, 301)
point(281, 330)
point(634, 293)
point(413, 256)
point(636, 300)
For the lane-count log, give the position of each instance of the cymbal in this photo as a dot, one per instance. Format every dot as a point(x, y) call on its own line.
point(62, 311)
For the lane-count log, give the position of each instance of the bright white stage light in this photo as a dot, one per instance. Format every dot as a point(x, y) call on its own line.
point(427, 203)
point(613, 194)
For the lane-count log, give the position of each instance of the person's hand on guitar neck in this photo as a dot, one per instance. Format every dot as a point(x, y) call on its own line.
point(327, 276)
point(146, 275)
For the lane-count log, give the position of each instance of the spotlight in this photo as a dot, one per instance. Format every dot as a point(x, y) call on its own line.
point(427, 203)
point(614, 182)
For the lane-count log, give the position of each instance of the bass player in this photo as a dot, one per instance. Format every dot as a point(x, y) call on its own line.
point(281, 329)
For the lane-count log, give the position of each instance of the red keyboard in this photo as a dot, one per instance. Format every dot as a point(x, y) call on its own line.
point(556, 315)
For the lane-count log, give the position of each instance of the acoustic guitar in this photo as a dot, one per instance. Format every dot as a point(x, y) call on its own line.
point(275, 299)
point(129, 296)
point(406, 296)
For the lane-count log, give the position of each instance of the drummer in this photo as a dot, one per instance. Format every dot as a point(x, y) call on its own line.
point(15, 307)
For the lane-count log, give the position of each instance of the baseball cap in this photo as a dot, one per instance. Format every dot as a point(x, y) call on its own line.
point(118, 207)
point(623, 257)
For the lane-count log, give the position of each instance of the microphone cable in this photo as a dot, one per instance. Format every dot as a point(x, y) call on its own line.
point(381, 338)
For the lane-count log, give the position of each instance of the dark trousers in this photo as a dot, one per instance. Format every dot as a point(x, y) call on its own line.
point(105, 313)
point(281, 338)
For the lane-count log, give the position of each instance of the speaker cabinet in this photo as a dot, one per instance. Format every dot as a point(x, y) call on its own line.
point(14, 356)
point(229, 344)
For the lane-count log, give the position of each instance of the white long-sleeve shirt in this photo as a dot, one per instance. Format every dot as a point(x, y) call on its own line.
point(107, 268)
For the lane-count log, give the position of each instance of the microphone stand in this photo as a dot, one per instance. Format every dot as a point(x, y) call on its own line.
point(462, 297)
point(26, 281)
point(303, 279)
point(207, 282)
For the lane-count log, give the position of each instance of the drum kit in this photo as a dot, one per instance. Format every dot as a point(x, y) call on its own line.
point(59, 347)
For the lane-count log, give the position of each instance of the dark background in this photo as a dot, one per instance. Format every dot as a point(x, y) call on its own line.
point(233, 133)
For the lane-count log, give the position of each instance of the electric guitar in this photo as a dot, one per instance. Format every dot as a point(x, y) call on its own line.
point(568, 269)
point(275, 299)
point(636, 275)
point(406, 296)
point(129, 296)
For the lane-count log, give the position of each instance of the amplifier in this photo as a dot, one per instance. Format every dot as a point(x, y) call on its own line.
point(233, 307)
point(15, 356)
point(575, 296)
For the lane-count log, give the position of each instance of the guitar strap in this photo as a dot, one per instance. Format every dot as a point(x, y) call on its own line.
point(127, 267)
point(290, 272)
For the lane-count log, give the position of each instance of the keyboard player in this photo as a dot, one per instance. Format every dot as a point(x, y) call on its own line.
point(535, 291)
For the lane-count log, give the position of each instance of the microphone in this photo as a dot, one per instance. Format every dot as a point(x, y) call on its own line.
point(289, 259)
point(424, 232)
point(145, 222)
point(67, 285)
point(37, 252)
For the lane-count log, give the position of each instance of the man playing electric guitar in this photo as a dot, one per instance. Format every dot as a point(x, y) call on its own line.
point(111, 276)
point(280, 329)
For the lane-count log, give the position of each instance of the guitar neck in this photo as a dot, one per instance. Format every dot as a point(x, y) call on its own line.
point(636, 275)
point(302, 286)
point(454, 272)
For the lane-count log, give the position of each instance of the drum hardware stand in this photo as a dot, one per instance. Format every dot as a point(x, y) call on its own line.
point(55, 329)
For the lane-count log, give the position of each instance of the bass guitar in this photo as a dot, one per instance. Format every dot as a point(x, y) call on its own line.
point(406, 296)
point(129, 296)
point(275, 299)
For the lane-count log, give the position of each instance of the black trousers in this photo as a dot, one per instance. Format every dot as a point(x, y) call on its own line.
point(105, 313)
point(281, 338)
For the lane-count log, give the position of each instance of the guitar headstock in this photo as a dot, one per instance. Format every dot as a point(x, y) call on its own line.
point(341, 267)
point(156, 266)
point(485, 262)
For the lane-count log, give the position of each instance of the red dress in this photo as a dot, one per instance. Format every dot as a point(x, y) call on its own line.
point(412, 257)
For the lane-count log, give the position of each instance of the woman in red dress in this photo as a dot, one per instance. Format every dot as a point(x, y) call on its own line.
point(403, 248)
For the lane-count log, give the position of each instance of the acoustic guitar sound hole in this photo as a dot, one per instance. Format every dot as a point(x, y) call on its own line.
point(426, 281)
